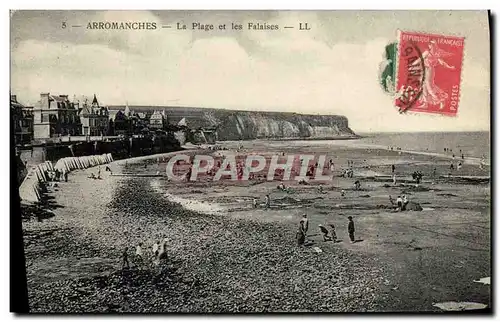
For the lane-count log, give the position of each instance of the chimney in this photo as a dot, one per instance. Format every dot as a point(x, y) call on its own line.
point(44, 100)
point(13, 98)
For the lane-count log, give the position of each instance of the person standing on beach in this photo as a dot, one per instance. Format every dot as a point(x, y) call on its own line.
point(255, 202)
point(162, 255)
point(156, 247)
point(393, 168)
point(125, 262)
point(302, 231)
point(268, 201)
point(334, 234)
point(138, 254)
point(304, 224)
point(66, 176)
point(350, 229)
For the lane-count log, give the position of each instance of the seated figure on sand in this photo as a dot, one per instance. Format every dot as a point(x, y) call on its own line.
point(405, 202)
point(399, 202)
point(325, 233)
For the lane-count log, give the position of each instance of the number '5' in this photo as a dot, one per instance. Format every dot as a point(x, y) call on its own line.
point(64, 24)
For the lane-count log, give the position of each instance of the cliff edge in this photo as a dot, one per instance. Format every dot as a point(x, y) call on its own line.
point(247, 125)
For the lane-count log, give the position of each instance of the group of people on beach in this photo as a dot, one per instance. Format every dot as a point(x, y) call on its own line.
point(267, 202)
point(401, 202)
point(57, 175)
point(328, 235)
point(98, 177)
point(158, 253)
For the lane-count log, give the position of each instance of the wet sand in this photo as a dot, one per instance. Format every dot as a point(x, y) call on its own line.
point(227, 256)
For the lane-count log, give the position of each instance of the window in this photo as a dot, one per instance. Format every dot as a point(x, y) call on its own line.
point(45, 118)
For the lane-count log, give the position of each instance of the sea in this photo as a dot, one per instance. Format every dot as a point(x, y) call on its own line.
point(472, 144)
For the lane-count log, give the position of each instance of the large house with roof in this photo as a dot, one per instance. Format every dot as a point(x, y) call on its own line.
point(55, 115)
point(94, 118)
point(22, 121)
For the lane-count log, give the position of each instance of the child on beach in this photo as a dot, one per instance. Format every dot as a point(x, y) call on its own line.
point(399, 201)
point(333, 233)
point(405, 202)
point(325, 233)
point(350, 229)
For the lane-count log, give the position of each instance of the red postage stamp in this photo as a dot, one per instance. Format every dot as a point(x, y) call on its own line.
point(428, 73)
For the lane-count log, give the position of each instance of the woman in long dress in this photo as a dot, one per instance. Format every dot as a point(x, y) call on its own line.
point(431, 93)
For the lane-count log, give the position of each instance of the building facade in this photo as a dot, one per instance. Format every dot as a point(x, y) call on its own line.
point(22, 118)
point(94, 119)
point(55, 116)
point(158, 121)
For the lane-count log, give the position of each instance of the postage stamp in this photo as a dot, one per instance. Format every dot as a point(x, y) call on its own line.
point(428, 73)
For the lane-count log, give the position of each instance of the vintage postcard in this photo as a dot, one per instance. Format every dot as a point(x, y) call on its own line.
point(250, 161)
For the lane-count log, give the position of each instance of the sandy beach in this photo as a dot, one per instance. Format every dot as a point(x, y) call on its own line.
point(224, 255)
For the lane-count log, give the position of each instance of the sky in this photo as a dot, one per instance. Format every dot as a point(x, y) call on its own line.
point(331, 69)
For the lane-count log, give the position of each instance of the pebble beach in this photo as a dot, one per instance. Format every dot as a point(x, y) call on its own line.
point(229, 259)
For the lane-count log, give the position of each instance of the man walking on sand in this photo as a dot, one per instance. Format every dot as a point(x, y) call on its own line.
point(350, 229)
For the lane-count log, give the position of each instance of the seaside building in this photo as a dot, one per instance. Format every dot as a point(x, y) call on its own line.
point(119, 123)
point(55, 116)
point(94, 118)
point(158, 120)
point(22, 118)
